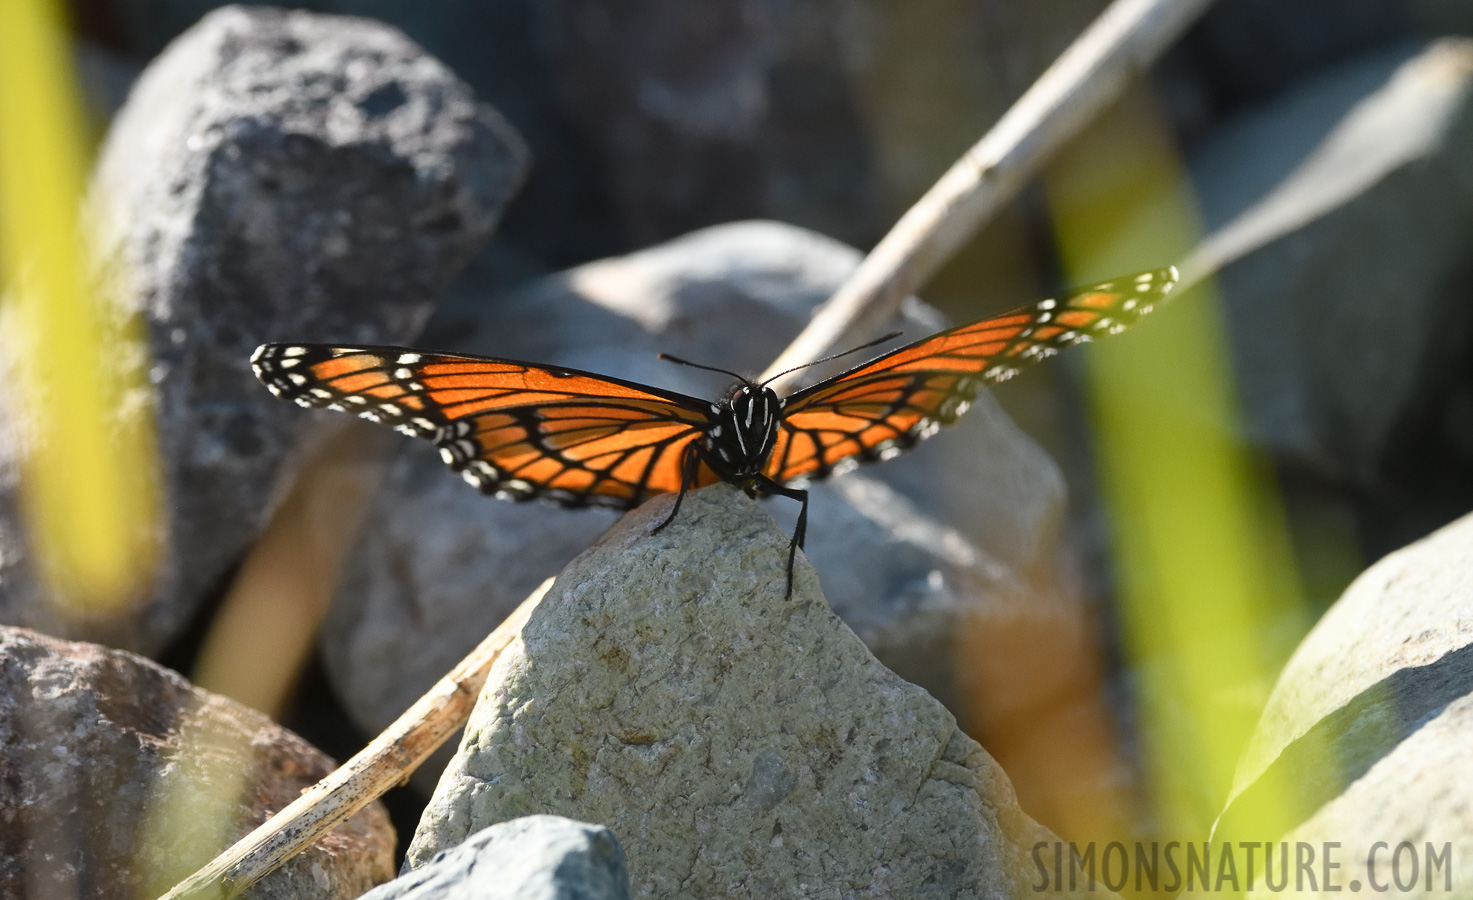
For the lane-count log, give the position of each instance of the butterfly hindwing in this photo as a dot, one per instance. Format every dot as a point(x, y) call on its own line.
point(881, 408)
point(513, 429)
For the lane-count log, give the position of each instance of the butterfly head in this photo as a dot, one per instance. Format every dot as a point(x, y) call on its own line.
point(744, 428)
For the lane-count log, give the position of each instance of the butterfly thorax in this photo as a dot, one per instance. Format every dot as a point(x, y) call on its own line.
point(743, 430)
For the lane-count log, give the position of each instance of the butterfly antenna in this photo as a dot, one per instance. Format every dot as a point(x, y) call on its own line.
point(879, 340)
point(678, 361)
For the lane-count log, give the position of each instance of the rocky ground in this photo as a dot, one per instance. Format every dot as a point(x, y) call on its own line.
point(588, 186)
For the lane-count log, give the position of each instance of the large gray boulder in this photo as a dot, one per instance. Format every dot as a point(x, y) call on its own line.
point(273, 176)
point(120, 779)
point(1365, 737)
point(1341, 214)
point(741, 742)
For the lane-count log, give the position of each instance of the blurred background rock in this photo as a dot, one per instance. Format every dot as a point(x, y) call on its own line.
point(651, 119)
point(1349, 302)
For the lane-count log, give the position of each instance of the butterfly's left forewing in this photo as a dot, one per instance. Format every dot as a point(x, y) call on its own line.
point(885, 406)
point(511, 428)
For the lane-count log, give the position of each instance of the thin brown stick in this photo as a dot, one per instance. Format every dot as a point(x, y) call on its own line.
point(385, 762)
point(269, 620)
point(1126, 38)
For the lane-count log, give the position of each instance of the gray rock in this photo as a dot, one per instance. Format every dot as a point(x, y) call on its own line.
point(273, 176)
point(121, 778)
point(531, 858)
point(1342, 212)
point(831, 114)
point(443, 565)
point(1365, 737)
point(905, 554)
point(503, 50)
point(1250, 50)
point(1247, 52)
point(743, 743)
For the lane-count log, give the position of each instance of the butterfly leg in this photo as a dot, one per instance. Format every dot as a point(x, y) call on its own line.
point(800, 530)
point(687, 479)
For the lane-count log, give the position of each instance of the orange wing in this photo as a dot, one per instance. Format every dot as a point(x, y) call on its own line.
point(881, 408)
point(510, 428)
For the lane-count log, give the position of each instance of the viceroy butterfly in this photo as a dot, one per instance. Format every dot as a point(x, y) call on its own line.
point(523, 431)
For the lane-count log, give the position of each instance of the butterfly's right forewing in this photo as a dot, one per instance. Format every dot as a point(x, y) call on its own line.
point(885, 406)
point(510, 428)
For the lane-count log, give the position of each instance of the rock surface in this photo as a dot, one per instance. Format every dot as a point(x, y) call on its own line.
point(819, 112)
point(1343, 211)
point(121, 778)
point(1365, 737)
point(541, 857)
point(741, 743)
point(831, 114)
point(904, 552)
point(273, 176)
point(1248, 51)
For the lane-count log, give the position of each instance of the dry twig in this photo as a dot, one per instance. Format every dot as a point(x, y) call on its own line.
point(385, 762)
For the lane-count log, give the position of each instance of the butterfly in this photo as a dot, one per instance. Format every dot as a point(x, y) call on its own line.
point(523, 430)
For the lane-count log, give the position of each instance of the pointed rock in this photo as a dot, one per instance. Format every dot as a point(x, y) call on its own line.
point(738, 741)
point(916, 555)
